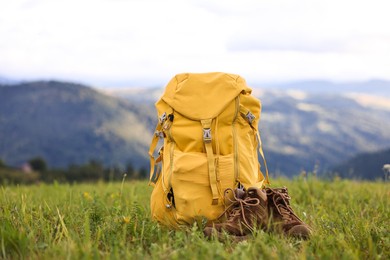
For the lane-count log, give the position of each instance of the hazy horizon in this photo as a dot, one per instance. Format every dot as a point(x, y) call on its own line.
point(134, 84)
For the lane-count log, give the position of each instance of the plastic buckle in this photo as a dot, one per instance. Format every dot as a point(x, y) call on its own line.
point(159, 134)
point(207, 135)
point(250, 117)
point(162, 118)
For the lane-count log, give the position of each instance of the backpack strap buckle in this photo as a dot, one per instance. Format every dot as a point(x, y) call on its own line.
point(247, 114)
point(250, 117)
point(207, 135)
point(162, 118)
point(159, 134)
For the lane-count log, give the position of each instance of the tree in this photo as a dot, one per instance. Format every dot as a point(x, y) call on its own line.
point(38, 164)
point(2, 164)
point(143, 173)
point(129, 169)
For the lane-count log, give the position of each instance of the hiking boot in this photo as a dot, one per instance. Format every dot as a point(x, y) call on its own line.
point(248, 210)
point(283, 217)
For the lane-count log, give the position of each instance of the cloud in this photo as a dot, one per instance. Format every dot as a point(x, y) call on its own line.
point(297, 43)
point(147, 42)
point(315, 26)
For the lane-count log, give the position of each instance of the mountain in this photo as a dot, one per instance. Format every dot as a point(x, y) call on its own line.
point(364, 166)
point(70, 124)
point(316, 130)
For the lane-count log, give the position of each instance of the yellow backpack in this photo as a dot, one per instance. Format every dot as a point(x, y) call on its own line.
point(209, 126)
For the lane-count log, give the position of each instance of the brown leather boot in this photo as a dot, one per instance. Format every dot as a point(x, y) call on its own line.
point(247, 211)
point(282, 216)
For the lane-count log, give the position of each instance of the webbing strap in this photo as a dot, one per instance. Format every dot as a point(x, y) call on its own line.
point(262, 156)
point(247, 114)
point(206, 124)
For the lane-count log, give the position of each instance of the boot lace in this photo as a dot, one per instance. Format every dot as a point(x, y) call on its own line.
point(237, 207)
point(281, 200)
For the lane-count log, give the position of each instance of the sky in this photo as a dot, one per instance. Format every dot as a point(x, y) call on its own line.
point(127, 43)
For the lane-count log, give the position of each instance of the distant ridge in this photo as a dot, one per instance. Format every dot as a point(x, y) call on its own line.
point(68, 123)
point(364, 166)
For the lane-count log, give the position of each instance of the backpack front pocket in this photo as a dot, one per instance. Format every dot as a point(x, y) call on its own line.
point(191, 185)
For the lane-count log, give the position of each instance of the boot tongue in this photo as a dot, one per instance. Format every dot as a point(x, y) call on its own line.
point(240, 193)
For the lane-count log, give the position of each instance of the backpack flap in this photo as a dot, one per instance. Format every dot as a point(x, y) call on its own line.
point(203, 96)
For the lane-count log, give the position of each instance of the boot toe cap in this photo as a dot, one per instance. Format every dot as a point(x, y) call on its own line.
point(300, 231)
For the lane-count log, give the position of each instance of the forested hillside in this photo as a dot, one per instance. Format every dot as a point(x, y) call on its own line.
point(365, 166)
point(68, 123)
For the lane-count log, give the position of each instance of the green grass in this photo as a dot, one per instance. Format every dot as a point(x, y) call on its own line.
point(93, 221)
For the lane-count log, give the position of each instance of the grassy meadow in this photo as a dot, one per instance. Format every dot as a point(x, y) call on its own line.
point(112, 221)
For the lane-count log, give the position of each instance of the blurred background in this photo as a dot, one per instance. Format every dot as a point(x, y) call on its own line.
point(78, 81)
